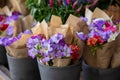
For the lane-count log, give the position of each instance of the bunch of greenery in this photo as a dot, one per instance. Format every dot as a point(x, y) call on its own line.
point(43, 9)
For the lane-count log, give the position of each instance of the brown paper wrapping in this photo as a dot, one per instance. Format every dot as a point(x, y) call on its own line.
point(27, 22)
point(115, 62)
point(102, 58)
point(17, 53)
point(5, 11)
point(21, 43)
point(104, 55)
point(45, 29)
point(77, 25)
point(18, 26)
point(55, 21)
point(19, 5)
point(61, 62)
point(18, 49)
point(88, 57)
point(37, 29)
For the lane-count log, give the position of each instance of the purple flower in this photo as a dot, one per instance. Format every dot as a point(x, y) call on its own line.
point(105, 35)
point(56, 38)
point(92, 33)
point(10, 31)
point(32, 52)
point(6, 41)
point(46, 59)
point(98, 23)
point(81, 35)
point(27, 32)
point(16, 13)
point(46, 47)
point(65, 3)
point(84, 19)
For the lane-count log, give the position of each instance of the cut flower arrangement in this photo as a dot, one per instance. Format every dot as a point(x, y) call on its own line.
point(101, 32)
point(101, 41)
point(51, 50)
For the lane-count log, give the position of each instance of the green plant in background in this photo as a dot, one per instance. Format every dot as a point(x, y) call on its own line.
point(43, 9)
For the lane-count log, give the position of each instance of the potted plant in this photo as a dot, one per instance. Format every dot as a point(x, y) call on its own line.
point(101, 46)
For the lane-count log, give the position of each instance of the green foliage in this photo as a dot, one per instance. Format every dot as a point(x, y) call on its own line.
point(40, 9)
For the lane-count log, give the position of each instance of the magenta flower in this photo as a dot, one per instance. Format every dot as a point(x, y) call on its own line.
point(78, 10)
point(60, 2)
point(68, 1)
point(75, 4)
point(51, 3)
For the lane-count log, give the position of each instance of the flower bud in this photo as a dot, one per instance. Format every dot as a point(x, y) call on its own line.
point(51, 3)
point(60, 2)
point(68, 1)
point(74, 4)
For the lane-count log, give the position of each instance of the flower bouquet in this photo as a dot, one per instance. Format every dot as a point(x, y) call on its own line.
point(100, 47)
point(55, 49)
point(14, 40)
point(5, 20)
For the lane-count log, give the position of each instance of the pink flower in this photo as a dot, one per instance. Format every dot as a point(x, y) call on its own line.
point(107, 24)
point(68, 1)
point(78, 10)
point(74, 4)
point(60, 2)
point(110, 27)
point(51, 3)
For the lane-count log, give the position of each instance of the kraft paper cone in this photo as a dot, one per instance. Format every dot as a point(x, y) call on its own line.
point(1, 11)
point(66, 31)
point(21, 43)
point(37, 29)
point(61, 62)
point(73, 21)
point(104, 55)
point(77, 25)
point(18, 26)
point(88, 15)
point(45, 29)
point(55, 21)
point(97, 13)
point(19, 5)
point(27, 22)
point(18, 53)
point(6, 11)
point(115, 62)
point(88, 57)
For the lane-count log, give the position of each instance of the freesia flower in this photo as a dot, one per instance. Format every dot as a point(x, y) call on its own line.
point(75, 4)
point(81, 35)
point(51, 3)
point(49, 49)
point(68, 1)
